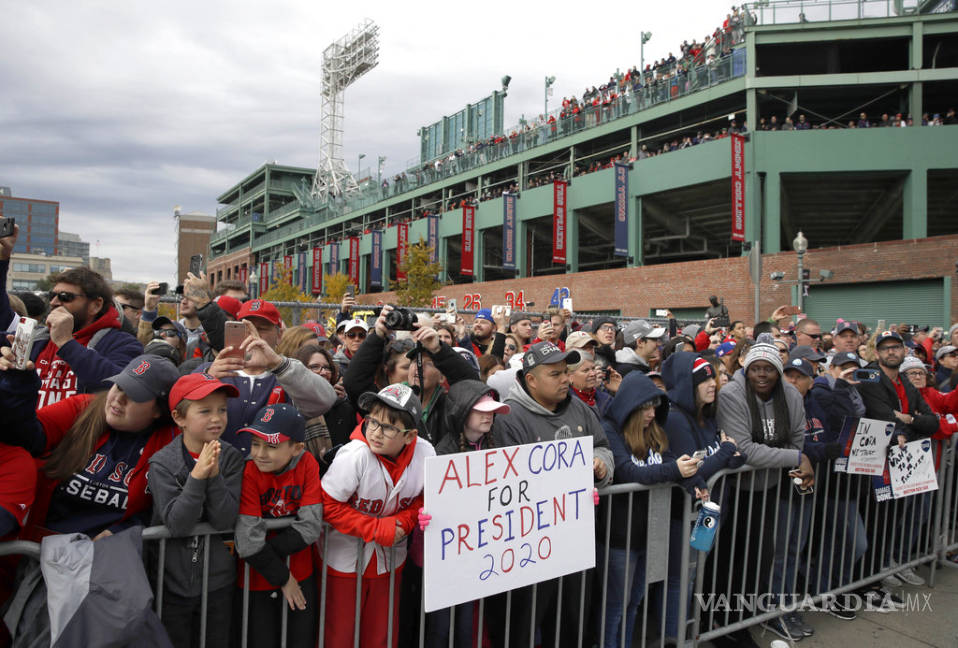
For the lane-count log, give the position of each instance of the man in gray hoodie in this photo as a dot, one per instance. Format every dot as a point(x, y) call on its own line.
point(542, 409)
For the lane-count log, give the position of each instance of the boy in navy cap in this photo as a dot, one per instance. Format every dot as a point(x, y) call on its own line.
point(281, 480)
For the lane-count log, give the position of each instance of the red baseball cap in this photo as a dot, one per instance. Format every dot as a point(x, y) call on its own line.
point(260, 308)
point(197, 386)
point(317, 328)
point(229, 304)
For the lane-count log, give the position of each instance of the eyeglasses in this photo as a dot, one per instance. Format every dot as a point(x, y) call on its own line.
point(915, 373)
point(511, 347)
point(389, 431)
point(608, 328)
point(63, 296)
point(165, 333)
point(356, 334)
point(128, 307)
point(320, 368)
point(950, 354)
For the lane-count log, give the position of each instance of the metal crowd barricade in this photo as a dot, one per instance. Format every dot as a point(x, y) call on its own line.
point(809, 541)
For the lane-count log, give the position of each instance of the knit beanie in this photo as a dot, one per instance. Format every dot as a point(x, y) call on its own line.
point(702, 370)
point(766, 350)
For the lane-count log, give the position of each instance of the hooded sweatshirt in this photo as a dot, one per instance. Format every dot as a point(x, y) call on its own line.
point(686, 435)
point(734, 418)
point(74, 368)
point(627, 361)
point(654, 468)
point(459, 402)
point(530, 422)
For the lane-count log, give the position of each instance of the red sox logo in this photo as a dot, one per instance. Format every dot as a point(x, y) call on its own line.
point(267, 415)
point(255, 305)
point(141, 369)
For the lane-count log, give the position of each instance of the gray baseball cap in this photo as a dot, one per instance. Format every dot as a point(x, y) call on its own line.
point(640, 330)
point(146, 377)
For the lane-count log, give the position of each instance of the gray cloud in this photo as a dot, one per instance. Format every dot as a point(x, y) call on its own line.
point(122, 110)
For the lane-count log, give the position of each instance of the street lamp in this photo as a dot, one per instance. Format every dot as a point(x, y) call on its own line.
point(549, 81)
point(800, 245)
point(643, 39)
point(358, 165)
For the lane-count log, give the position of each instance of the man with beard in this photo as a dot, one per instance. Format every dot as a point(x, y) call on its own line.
point(82, 344)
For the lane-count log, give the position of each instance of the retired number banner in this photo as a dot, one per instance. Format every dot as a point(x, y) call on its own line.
point(317, 270)
point(559, 189)
point(468, 240)
point(738, 187)
point(621, 209)
point(509, 231)
point(303, 282)
point(263, 277)
point(432, 237)
point(288, 268)
point(334, 258)
point(354, 260)
point(506, 518)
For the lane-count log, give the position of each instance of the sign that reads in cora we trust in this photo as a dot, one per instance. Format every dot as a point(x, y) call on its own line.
point(864, 446)
point(506, 518)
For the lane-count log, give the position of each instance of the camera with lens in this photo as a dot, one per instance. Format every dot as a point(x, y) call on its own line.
point(401, 319)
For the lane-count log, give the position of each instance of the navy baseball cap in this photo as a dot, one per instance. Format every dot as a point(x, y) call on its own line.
point(885, 336)
point(542, 353)
point(846, 325)
point(844, 358)
point(808, 353)
point(277, 423)
point(802, 365)
point(147, 377)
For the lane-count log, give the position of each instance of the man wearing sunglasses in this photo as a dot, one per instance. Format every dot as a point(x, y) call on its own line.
point(808, 333)
point(82, 344)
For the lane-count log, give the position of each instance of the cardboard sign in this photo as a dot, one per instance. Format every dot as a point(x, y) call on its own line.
point(865, 444)
point(506, 518)
point(912, 469)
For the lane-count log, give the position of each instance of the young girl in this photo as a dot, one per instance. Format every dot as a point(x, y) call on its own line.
point(633, 424)
point(470, 412)
point(197, 479)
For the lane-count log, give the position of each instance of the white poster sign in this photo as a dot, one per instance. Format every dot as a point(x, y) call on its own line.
point(912, 469)
point(865, 446)
point(505, 518)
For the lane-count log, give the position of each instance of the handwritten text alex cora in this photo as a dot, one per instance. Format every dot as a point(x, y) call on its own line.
point(495, 513)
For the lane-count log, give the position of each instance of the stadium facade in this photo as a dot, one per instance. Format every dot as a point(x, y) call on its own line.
point(877, 205)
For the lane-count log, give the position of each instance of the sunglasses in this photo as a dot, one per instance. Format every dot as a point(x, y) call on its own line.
point(63, 296)
point(165, 333)
point(127, 307)
point(814, 336)
point(356, 334)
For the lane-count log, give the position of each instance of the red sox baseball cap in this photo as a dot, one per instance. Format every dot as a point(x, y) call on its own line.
point(198, 386)
point(277, 423)
point(260, 308)
point(146, 377)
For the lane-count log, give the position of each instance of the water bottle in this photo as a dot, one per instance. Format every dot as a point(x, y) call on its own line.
point(703, 533)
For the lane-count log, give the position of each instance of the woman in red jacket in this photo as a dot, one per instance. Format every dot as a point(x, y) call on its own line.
point(944, 405)
point(93, 450)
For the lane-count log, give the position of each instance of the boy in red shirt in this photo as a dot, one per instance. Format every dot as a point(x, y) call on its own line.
point(280, 480)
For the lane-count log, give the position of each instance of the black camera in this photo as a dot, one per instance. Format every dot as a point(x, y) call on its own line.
point(401, 319)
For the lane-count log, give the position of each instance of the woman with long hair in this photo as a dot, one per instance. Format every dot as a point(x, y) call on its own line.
point(634, 424)
point(334, 427)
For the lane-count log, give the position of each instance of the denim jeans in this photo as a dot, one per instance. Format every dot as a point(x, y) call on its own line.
point(843, 545)
point(622, 584)
point(794, 520)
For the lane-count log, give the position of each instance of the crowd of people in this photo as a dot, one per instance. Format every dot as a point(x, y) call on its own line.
point(120, 418)
point(886, 120)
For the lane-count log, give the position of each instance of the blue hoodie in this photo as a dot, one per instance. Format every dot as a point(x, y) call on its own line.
point(685, 434)
point(636, 389)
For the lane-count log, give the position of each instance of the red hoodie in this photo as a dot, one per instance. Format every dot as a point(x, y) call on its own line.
point(945, 406)
point(57, 380)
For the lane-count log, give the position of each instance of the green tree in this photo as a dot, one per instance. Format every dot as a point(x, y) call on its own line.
point(283, 290)
point(420, 282)
point(335, 285)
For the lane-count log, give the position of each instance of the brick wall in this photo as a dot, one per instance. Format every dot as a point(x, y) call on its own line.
point(688, 285)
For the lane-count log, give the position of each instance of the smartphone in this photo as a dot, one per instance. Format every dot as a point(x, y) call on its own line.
point(497, 311)
point(162, 289)
point(567, 304)
point(350, 290)
point(196, 264)
point(451, 313)
point(661, 312)
point(233, 335)
point(867, 375)
point(881, 325)
point(22, 342)
point(179, 290)
point(507, 311)
point(793, 310)
point(797, 484)
point(699, 454)
point(6, 227)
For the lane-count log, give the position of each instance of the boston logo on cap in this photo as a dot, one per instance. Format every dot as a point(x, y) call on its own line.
point(255, 305)
point(141, 368)
point(400, 393)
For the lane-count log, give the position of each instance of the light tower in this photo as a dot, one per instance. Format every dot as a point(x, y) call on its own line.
point(343, 63)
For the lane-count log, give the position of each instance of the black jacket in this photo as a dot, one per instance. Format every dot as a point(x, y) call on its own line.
point(360, 377)
point(881, 400)
point(213, 319)
point(459, 401)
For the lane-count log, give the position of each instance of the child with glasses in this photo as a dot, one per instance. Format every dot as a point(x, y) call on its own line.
point(373, 491)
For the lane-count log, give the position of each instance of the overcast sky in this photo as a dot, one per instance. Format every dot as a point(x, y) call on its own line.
point(121, 110)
